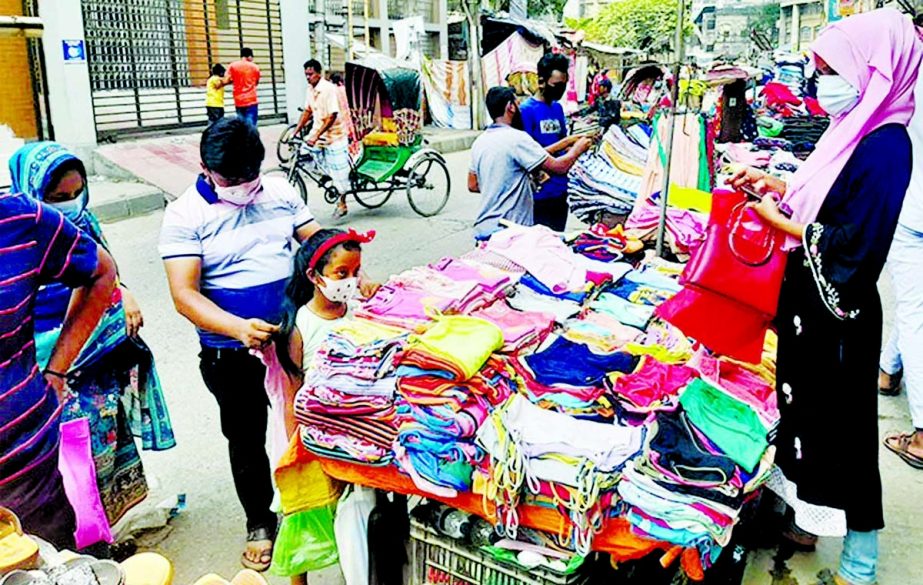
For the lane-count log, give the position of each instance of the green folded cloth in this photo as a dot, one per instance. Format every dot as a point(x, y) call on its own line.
point(730, 424)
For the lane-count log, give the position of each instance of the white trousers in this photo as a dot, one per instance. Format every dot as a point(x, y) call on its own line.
point(904, 349)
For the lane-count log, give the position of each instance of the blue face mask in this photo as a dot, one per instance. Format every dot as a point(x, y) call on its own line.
point(73, 209)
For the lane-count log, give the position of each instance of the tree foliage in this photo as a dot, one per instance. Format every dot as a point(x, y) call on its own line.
point(639, 24)
point(553, 8)
point(536, 8)
point(767, 19)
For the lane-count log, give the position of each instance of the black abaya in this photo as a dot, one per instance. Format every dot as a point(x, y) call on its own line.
point(829, 323)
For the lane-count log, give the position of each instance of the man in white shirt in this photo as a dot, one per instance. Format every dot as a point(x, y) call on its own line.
point(227, 244)
point(903, 354)
point(328, 141)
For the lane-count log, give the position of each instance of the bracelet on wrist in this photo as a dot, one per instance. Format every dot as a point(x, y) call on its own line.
point(54, 374)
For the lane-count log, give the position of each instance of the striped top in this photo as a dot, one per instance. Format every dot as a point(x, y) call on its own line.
point(37, 246)
point(246, 252)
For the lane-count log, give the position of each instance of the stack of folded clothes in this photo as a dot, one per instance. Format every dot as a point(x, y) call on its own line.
point(609, 180)
point(346, 406)
point(701, 462)
point(521, 329)
point(652, 387)
point(446, 390)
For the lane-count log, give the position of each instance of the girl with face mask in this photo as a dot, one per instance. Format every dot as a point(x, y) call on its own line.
point(324, 282)
point(840, 211)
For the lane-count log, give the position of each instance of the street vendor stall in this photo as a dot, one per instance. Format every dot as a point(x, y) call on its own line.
point(529, 383)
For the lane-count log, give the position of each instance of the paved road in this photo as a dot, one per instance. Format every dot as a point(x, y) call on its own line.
point(208, 536)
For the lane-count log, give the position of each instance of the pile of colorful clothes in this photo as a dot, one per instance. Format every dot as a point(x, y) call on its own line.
point(346, 407)
point(444, 398)
point(705, 454)
point(527, 373)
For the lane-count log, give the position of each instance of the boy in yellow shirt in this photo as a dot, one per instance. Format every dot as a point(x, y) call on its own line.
point(214, 94)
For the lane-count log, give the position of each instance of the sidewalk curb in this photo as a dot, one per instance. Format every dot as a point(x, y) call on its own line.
point(446, 143)
point(146, 199)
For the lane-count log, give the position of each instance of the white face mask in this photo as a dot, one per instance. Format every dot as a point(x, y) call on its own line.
point(72, 209)
point(240, 195)
point(339, 291)
point(836, 95)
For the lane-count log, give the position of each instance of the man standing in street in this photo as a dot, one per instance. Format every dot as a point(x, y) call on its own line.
point(328, 140)
point(902, 356)
point(245, 75)
point(502, 159)
point(543, 120)
point(39, 246)
point(228, 245)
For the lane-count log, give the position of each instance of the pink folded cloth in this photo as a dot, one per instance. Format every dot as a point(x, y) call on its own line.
point(520, 328)
point(742, 154)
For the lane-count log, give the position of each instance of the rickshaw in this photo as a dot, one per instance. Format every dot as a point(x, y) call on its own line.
point(387, 150)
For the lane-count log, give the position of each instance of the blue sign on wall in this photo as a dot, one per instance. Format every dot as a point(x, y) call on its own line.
point(75, 51)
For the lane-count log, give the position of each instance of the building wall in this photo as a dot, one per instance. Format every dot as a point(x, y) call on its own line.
point(800, 23)
point(17, 103)
point(591, 8)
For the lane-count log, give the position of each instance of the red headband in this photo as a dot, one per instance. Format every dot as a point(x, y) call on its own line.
point(349, 236)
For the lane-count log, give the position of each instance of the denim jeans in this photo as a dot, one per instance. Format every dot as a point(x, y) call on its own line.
point(249, 113)
point(904, 349)
point(859, 561)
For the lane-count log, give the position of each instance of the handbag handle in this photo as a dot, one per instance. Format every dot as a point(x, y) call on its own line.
point(737, 214)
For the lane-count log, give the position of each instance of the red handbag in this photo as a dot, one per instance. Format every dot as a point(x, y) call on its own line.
point(741, 259)
point(732, 282)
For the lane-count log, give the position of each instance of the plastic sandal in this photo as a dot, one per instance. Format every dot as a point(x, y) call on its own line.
point(899, 445)
point(147, 569)
point(17, 551)
point(248, 577)
point(895, 388)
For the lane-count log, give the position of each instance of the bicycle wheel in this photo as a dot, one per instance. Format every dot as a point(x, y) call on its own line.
point(295, 180)
point(373, 199)
point(288, 145)
point(428, 186)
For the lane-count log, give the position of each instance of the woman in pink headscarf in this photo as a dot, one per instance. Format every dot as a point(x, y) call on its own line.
point(841, 210)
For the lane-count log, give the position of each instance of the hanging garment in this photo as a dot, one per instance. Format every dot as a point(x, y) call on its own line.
point(514, 55)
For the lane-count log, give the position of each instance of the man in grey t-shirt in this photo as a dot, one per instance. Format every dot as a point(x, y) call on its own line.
point(502, 159)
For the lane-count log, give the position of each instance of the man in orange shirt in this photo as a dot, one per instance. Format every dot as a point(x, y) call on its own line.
point(245, 75)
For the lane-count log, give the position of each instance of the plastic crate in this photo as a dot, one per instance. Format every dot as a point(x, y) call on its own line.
point(438, 560)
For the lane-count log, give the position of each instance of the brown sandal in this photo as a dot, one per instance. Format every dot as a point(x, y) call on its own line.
point(899, 444)
point(255, 536)
point(894, 388)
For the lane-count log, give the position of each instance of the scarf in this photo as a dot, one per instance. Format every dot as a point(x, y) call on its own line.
point(878, 53)
point(32, 168)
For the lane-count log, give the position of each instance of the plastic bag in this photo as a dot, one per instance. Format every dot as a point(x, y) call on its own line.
point(301, 481)
point(79, 472)
point(306, 542)
point(351, 528)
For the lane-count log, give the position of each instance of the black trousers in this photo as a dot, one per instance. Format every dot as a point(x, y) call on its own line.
point(214, 114)
point(551, 212)
point(236, 379)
